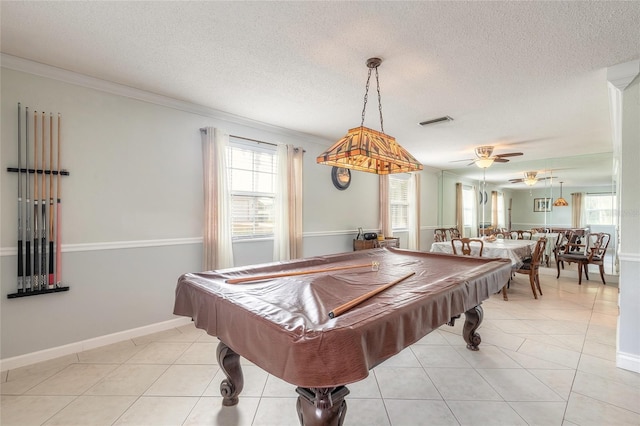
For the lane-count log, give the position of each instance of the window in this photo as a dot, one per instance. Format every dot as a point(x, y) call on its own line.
point(252, 179)
point(600, 209)
point(468, 203)
point(399, 201)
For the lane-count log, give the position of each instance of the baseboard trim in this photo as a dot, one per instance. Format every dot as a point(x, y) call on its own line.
point(84, 345)
point(628, 361)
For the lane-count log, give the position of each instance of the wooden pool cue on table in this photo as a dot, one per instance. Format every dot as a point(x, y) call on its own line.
point(345, 307)
point(289, 274)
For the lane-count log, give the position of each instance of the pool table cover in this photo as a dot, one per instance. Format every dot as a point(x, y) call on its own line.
point(282, 325)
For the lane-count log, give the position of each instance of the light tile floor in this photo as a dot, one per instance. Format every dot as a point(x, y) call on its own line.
point(541, 362)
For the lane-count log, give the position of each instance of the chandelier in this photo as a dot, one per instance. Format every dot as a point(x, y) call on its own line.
point(368, 150)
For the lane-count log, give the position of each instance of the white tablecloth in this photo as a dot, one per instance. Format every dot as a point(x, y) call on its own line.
point(514, 250)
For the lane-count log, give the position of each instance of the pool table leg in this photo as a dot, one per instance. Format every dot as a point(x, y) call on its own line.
point(322, 406)
point(229, 363)
point(473, 318)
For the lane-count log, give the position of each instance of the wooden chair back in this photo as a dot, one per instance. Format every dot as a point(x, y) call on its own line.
point(464, 246)
point(584, 250)
point(538, 252)
point(532, 266)
point(440, 234)
point(454, 232)
point(597, 247)
point(521, 235)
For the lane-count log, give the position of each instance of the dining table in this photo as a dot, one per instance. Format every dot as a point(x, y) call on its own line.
point(514, 250)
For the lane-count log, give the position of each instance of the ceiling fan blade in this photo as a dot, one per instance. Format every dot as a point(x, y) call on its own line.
point(516, 180)
point(509, 154)
point(500, 160)
point(466, 159)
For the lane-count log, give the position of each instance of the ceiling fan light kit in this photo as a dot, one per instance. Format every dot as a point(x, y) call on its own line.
point(485, 159)
point(530, 178)
point(484, 163)
point(368, 150)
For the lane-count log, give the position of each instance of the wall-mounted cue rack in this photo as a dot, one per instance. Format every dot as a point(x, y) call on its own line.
point(39, 233)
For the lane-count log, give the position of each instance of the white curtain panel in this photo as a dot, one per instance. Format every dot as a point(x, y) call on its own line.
point(413, 216)
point(459, 209)
point(385, 207)
point(217, 244)
point(294, 159)
point(287, 241)
point(577, 209)
point(281, 213)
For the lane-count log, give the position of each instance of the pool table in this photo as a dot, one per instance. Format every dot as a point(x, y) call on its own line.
point(282, 324)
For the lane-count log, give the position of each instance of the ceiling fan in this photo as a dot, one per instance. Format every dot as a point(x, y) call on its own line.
point(530, 178)
point(486, 159)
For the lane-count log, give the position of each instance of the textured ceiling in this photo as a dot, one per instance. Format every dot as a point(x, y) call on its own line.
point(523, 76)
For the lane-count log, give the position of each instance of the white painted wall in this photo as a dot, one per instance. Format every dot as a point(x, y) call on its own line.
point(628, 353)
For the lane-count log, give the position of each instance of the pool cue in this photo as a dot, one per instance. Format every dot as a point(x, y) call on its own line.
point(27, 280)
point(43, 202)
point(51, 229)
point(345, 307)
point(20, 230)
point(58, 269)
point(36, 236)
point(288, 274)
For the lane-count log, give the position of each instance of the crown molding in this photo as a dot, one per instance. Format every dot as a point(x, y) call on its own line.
point(43, 70)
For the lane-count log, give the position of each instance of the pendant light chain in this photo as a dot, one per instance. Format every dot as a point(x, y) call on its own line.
point(379, 101)
point(366, 95)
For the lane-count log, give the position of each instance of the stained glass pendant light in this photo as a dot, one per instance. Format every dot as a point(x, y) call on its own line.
point(368, 150)
point(560, 202)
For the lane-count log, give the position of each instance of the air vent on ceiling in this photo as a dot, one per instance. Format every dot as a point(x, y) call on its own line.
point(436, 120)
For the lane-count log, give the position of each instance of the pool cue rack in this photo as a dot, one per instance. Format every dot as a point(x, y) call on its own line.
point(62, 172)
point(45, 253)
point(45, 290)
point(37, 292)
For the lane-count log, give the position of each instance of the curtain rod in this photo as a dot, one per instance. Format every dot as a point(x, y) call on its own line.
point(204, 130)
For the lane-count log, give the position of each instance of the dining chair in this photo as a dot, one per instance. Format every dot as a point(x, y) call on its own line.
point(573, 237)
point(454, 232)
point(531, 266)
point(592, 252)
point(442, 234)
point(464, 246)
point(521, 235)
